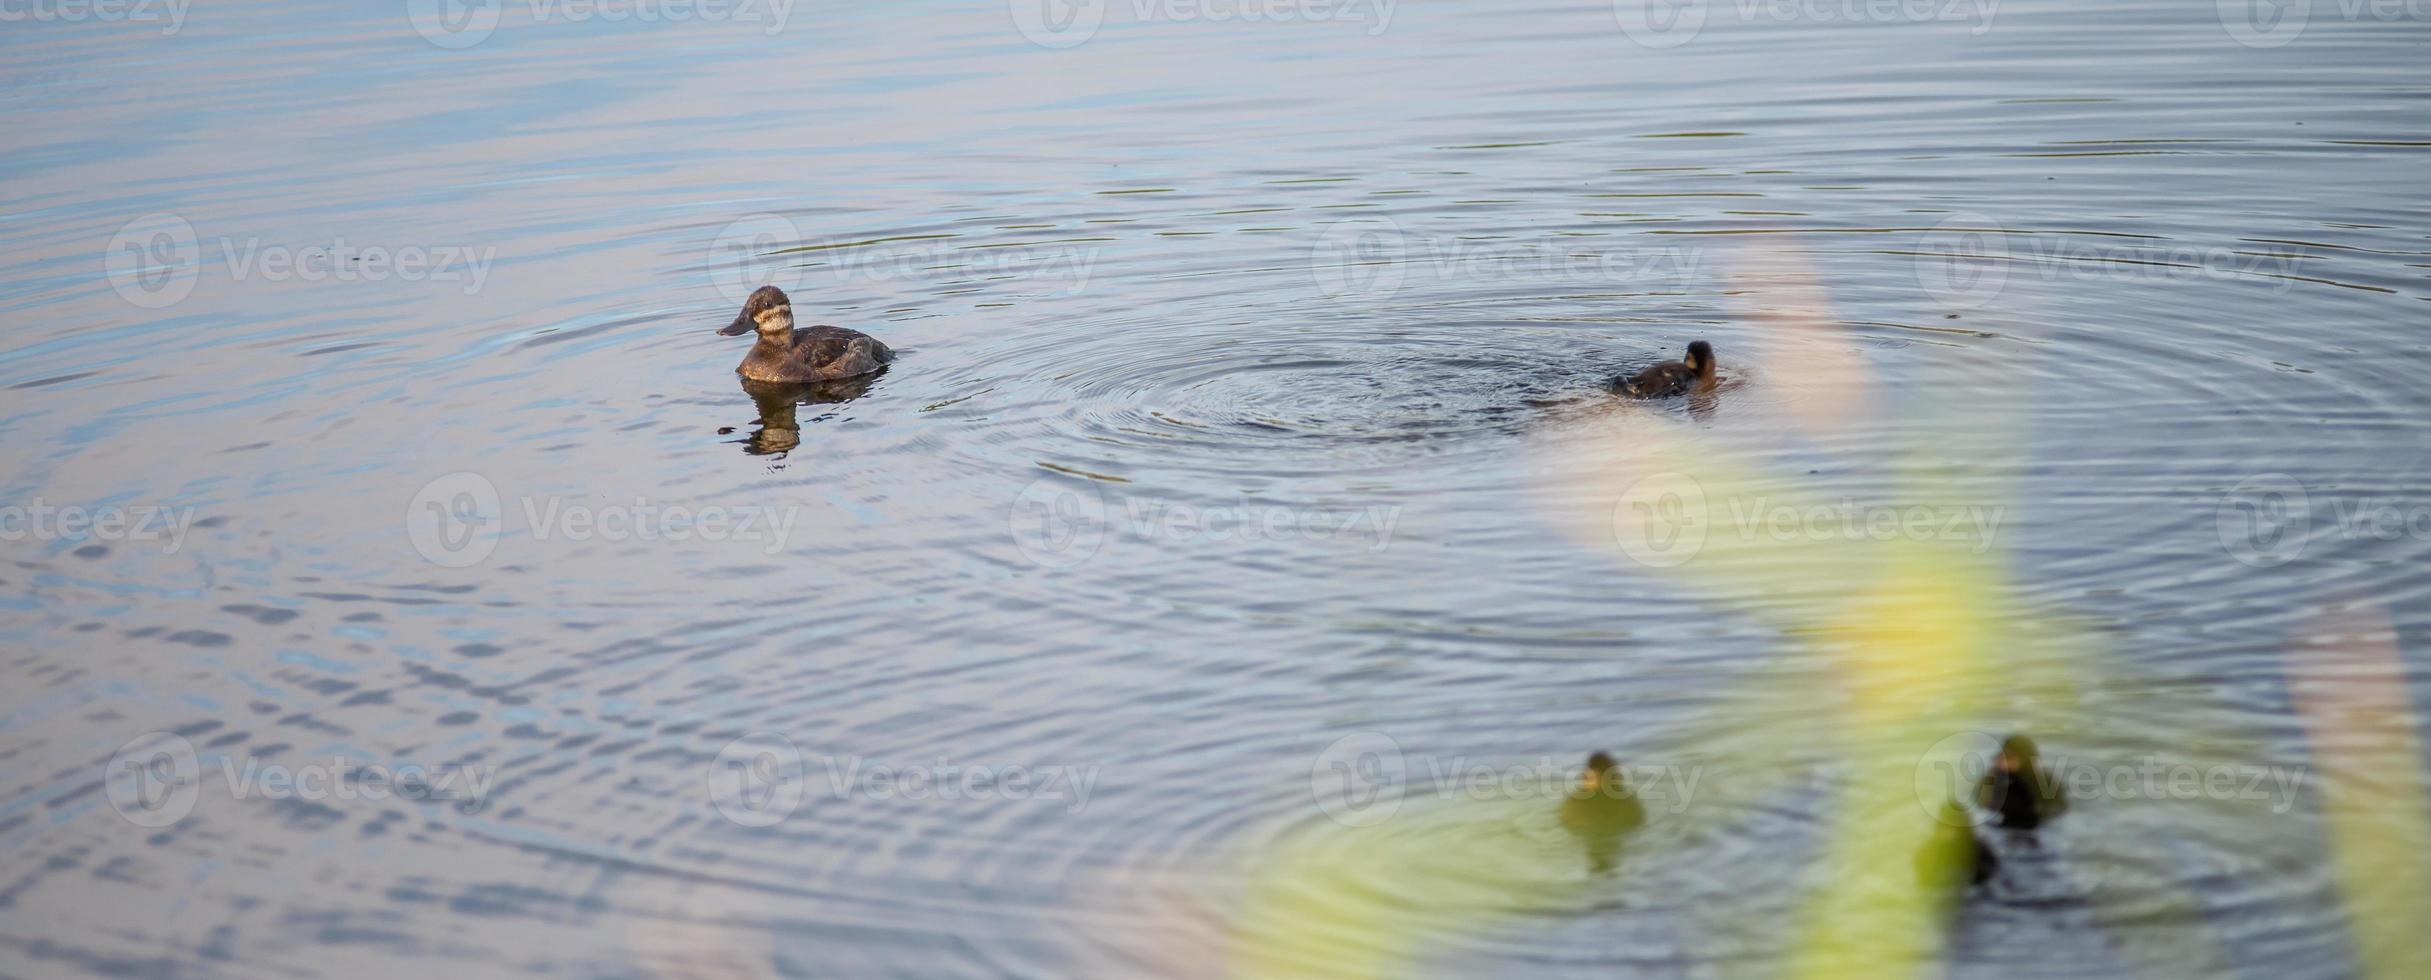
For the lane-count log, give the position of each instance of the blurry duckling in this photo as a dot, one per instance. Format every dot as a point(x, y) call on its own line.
point(1695, 372)
point(1954, 857)
point(1600, 809)
point(2020, 788)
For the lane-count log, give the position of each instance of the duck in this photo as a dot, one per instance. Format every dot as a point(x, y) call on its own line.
point(1602, 799)
point(786, 354)
point(2020, 788)
point(1600, 808)
point(1954, 857)
point(1695, 372)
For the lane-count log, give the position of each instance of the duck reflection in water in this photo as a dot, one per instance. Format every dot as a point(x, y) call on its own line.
point(1600, 809)
point(779, 429)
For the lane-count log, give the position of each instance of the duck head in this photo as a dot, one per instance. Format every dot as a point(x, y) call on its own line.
point(768, 312)
point(1700, 359)
point(1600, 776)
point(2018, 754)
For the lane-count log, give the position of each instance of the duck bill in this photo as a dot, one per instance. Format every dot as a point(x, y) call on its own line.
point(742, 325)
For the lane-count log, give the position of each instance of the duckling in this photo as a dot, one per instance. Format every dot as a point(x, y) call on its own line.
point(1600, 808)
point(1954, 857)
point(1692, 373)
point(2019, 788)
point(785, 354)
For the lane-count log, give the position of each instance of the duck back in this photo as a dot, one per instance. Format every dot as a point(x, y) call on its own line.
point(816, 353)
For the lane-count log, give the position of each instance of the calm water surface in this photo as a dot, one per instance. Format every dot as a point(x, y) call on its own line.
point(1249, 401)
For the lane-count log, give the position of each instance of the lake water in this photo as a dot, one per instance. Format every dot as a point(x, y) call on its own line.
point(397, 577)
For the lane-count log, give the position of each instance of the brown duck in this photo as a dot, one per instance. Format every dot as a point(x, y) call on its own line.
point(788, 354)
point(1692, 373)
point(2026, 793)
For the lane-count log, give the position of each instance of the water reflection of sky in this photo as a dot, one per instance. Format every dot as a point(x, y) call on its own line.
point(1115, 271)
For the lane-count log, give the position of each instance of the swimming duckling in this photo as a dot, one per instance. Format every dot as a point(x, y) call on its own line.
point(1600, 808)
point(1692, 373)
point(1954, 857)
point(2019, 788)
point(789, 355)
